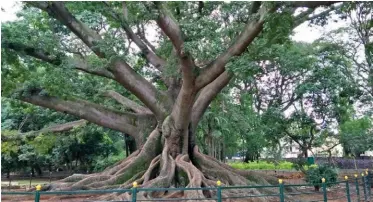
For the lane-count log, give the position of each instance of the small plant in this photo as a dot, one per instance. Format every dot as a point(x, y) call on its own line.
point(314, 174)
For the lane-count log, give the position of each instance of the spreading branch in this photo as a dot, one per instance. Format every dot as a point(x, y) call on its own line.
point(139, 86)
point(207, 94)
point(149, 55)
point(141, 33)
point(51, 129)
point(252, 30)
point(122, 72)
point(216, 67)
point(58, 11)
point(54, 60)
point(305, 16)
point(169, 26)
point(33, 52)
point(127, 102)
point(89, 111)
point(311, 4)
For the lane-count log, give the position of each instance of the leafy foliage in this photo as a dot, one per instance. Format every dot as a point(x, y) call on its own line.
point(314, 175)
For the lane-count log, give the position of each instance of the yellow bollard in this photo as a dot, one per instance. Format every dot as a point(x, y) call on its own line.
point(134, 184)
point(37, 193)
point(218, 183)
point(281, 187)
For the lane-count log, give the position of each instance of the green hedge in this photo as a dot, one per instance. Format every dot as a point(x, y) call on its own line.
point(262, 165)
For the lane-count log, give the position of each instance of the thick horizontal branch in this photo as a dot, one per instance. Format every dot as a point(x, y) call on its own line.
point(64, 127)
point(91, 112)
point(51, 129)
point(305, 16)
point(83, 66)
point(54, 60)
point(207, 94)
point(33, 52)
point(312, 4)
point(127, 102)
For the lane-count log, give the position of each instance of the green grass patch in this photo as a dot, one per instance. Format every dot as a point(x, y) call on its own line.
point(24, 182)
point(262, 165)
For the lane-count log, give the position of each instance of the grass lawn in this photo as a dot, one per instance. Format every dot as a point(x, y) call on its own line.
point(25, 182)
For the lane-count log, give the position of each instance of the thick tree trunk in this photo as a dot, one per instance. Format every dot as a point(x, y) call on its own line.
point(305, 153)
point(32, 172)
point(38, 170)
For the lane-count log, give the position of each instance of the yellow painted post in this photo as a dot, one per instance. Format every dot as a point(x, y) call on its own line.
point(364, 186)
point(324, 190)
point(357, 188)
point(134, 191)
point(37, 193)
point(347, 190)
point(218, 183)
point(281, 186)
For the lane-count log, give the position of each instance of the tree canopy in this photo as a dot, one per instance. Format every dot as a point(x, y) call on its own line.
point(175, 75)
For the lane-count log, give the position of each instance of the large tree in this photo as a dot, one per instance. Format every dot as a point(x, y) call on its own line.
point(169, 82)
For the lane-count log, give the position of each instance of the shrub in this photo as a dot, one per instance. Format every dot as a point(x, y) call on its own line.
point(314, 174)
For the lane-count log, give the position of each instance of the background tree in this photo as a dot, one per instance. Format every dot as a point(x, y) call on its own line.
point(40, 149)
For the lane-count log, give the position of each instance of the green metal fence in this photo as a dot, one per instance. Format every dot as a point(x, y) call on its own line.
point(357, 188)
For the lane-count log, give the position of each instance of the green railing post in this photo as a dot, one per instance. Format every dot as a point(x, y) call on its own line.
point(134, 191)
point(324, 189)
point(369, 182)
point(347, 190)
point(218, 194)
point(281, 187)
point(364, 187)
point(357, 188)
point(37, 193)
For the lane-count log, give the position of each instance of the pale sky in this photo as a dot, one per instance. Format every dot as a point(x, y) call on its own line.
point(8, 10)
